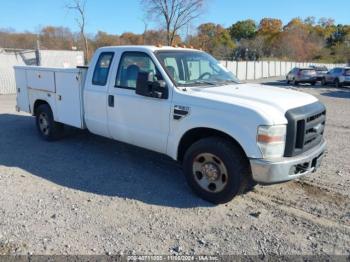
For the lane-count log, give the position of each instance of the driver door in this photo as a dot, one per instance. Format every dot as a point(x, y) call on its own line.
point(134, 119)
point(329, 76)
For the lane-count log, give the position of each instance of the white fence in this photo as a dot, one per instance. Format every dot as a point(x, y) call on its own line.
point(251, 70)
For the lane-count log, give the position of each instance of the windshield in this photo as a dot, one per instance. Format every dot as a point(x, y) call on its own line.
point(188, 68)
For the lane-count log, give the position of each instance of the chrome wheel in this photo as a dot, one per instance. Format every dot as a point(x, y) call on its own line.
point(210, 172)
point(44, 123)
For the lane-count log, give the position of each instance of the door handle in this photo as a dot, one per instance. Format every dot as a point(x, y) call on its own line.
point(111, 101)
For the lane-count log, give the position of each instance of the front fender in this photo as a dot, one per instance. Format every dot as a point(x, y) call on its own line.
point(243, 130)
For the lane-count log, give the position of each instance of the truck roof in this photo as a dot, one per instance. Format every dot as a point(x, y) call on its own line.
point(151, 48)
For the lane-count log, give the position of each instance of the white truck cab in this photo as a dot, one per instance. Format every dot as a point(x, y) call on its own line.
point(183, 103)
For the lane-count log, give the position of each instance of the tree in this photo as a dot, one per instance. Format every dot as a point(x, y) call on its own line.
point(269, 30)
point(103, 39)
point(79, 7)
point(174, 14)
point(325, 27)
point(12, 39)
point(270, 26)
point(214, 39)
point(56, 38)
point(129, 38)
point(251, 49)
point(310, 20)
point(245, 29)
point(298, 44)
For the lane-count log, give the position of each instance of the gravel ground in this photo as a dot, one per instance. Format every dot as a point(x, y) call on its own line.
point(90, 195)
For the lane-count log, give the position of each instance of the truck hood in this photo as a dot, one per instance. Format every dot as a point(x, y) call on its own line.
point(272, 102)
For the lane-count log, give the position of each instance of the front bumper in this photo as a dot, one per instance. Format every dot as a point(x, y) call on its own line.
point(287, 168)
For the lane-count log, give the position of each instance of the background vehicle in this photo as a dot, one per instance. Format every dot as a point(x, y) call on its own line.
point(321, 71)
point(338, 76)
point(185, 104)
point(302, 75)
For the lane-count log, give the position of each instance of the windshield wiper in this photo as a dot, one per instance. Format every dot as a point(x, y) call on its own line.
point(204, 82)
point(229, 81)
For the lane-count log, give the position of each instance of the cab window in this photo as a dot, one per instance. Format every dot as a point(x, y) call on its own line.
point(131, 64)
point(102, 69)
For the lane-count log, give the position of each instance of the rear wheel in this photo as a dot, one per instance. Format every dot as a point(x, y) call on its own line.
point(47, 127)
point(216, 169)
point(313, 83)
point(323, 82)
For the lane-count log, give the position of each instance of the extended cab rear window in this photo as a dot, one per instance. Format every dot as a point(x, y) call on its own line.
point(102, 68)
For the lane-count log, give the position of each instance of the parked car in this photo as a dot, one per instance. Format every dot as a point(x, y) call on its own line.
point(338, 76)
point(183, 103)
point(302, 75)
point(321, 71)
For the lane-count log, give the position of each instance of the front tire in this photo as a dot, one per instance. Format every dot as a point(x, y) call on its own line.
point(323, 82)
point(216, 169)
point(295, 83)
point(48, 129)
point(337, 83)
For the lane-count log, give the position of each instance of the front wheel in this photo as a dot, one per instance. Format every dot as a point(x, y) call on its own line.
point(323, 82)
point(47, 127)
point(337, 83)
point(216, 169)
point(295, 83)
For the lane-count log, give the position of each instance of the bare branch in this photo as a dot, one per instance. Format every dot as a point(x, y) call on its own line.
point(175, 14)
point(79, 7)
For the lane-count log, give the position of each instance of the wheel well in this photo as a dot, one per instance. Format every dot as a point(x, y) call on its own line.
point(37, 104)
point(193, 135)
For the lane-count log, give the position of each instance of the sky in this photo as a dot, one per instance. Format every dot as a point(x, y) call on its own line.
point(118, 16)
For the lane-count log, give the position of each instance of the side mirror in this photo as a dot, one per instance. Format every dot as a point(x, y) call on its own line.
point(147, 86)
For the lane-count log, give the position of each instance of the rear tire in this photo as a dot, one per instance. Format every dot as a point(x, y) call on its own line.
point(323, 82)
point(48, 129)
point(295, 83)
point(216, 169)
point(313, 83)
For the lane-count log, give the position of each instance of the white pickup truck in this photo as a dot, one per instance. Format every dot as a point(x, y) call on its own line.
point(183, 103)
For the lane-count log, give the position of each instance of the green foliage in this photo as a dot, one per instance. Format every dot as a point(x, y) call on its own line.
point(245, 29)
point(214, 39)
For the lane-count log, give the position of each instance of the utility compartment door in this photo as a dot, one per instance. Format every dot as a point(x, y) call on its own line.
point(41, 80)
point(22, 98)
point(68, 98)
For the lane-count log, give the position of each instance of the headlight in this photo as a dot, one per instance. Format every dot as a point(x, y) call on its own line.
point(271, 140)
